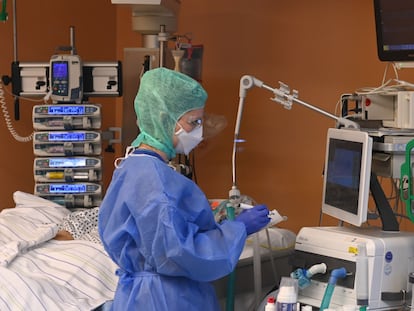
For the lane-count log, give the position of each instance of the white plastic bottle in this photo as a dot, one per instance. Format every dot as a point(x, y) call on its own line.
point(271, 304)
point(286, 299)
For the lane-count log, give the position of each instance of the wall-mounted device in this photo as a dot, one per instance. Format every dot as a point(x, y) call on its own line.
point(99, 79)
point(66, 116)
point(67, 143)
point(66, 78)
point(71, 195)
point(67, 169)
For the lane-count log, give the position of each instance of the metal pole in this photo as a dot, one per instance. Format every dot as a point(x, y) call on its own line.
point(14, 31)
point(72, 41)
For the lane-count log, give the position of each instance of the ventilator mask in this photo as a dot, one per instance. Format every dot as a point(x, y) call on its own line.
point(187, 141)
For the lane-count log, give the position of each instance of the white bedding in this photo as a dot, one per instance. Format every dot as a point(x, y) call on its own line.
point(38, 273)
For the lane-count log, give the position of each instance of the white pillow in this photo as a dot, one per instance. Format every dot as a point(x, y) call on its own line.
point(39, 210)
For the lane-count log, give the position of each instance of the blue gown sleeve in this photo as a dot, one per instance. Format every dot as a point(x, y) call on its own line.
point(183, 249)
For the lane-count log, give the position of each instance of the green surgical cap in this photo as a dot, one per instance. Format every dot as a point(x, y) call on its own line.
point(163, 97)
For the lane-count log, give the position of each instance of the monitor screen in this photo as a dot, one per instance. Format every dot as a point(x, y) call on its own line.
point(346, 185)
point(394, 21)
point(60, 70)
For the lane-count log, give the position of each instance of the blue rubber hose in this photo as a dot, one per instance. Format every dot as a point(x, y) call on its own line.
point(335, 275)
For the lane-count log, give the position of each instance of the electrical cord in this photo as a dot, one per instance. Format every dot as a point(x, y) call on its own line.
point(8, 121)
point(390, 86)
point(384, 87)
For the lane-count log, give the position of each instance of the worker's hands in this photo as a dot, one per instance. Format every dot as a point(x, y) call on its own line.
point(254, 218)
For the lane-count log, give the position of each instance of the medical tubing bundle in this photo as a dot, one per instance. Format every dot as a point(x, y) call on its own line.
point(257, 272)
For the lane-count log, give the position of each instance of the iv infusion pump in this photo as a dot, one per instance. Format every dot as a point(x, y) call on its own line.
point(66, 83)
point(67, 139)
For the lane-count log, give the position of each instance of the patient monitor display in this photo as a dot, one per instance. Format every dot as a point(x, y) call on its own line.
point(347, 175)
point(394, 21)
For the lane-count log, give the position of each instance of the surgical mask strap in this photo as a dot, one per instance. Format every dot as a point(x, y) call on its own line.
point(181, 129)
point(128, 151)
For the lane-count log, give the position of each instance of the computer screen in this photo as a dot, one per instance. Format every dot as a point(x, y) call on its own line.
point(394, 21)
point(346, 186)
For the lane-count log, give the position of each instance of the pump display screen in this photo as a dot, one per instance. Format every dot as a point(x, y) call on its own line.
point(67, 162)
point(67, 188)
point(60, 70)
point(66, 110)
point(67, 136)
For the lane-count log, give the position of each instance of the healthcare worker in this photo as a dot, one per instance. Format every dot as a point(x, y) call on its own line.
point(156, 224)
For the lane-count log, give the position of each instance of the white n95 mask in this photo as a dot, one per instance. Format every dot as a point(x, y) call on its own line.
point(188, 141)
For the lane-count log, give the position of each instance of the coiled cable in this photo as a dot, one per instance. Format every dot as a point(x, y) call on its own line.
point(8, 121)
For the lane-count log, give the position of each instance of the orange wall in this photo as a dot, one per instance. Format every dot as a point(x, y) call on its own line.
point(322, 48)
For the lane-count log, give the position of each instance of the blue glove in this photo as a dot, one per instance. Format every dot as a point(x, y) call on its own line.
point(254, 218)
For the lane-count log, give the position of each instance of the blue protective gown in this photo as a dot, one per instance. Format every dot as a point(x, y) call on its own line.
point(157, 225)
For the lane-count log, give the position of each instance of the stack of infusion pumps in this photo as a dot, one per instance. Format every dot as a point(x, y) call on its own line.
point(67, 140)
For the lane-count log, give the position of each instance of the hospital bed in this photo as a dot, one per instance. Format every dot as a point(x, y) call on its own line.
point(39, 272)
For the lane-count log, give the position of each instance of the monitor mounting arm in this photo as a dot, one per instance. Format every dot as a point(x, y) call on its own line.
point(282, 95)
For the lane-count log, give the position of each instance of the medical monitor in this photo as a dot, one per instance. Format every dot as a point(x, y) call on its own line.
point(347, 173)
point(394, 21)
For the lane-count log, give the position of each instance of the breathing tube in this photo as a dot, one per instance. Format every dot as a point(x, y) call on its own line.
point(335, 275)
point(230, 212)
